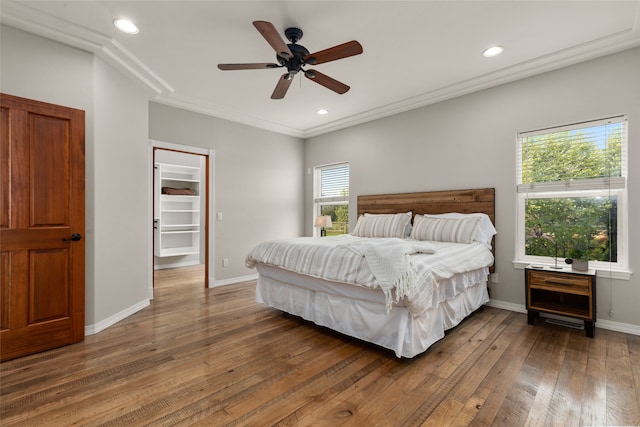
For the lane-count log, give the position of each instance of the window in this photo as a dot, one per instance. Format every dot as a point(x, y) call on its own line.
point(331, 196)
point(572, 195)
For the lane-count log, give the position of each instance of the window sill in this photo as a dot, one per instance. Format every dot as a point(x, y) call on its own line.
point(605, 273)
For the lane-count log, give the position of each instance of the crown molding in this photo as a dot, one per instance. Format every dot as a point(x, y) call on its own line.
point(574, 55)
point(570, 56)
point(19, 15)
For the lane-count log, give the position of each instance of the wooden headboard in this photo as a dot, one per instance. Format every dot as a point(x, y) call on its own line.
point(433, 202)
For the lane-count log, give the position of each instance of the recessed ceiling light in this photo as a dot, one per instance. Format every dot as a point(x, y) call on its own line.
point(492, 51)
point(126, 26)
point(322, 112)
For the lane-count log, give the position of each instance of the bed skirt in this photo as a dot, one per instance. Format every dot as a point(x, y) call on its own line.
point(361, 312)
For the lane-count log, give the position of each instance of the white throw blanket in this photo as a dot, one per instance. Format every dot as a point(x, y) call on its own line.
point(390, 262)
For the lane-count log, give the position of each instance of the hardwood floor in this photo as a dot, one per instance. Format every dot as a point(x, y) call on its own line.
point(215, 357)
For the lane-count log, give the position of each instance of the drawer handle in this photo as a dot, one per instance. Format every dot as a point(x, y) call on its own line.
point(557, 282)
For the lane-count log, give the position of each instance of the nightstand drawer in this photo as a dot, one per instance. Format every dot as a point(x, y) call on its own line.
point(570, 284)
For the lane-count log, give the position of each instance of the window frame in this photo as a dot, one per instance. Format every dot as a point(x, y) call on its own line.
point(595, 187)
point(318, 200)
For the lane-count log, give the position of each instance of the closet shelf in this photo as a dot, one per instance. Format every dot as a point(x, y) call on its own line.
point(179, 251)
point(180, 179)
point(177, 198)
point(180, 232)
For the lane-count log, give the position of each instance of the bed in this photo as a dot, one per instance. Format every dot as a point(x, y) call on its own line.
point(415, 265)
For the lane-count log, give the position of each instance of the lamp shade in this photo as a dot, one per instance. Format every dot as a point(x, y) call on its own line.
point(323, 221)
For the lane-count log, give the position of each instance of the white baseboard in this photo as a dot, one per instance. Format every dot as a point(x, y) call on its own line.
point(627, 328)
point(232, 281)
point(610, 325)
point(504, 305)
point(507, 306)
point(112, 320)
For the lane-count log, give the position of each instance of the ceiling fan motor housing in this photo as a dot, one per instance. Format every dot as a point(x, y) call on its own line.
point(294, 64)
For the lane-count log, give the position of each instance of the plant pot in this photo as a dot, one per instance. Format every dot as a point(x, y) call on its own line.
point(580, 265)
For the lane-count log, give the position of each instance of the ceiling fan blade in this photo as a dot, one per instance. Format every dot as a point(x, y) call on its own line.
point(326, 81)
point(283, 85)
point(272, 36)
point(256, 66)
point(340, 51)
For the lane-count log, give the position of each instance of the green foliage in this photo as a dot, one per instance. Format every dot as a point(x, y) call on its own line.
point(580, 227)
point(339, 218)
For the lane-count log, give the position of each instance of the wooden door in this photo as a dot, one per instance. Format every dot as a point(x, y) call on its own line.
point(41, 226)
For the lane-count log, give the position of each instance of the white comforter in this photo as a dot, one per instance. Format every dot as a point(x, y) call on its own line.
point(364, 262)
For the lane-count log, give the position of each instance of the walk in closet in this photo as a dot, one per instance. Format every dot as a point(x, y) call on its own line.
point(179, 182)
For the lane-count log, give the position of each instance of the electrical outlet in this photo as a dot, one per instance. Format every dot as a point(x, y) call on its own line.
point(494, 278)
point(225, 262)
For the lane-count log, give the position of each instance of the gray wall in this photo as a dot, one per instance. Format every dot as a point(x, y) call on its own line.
point(120, 192)
point(258, 181)
point(116, 176)
point(469, 142)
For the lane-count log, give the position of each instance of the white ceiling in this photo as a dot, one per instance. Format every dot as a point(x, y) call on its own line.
point(415, 52)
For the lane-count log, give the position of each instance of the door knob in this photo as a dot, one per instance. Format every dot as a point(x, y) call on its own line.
point(74, 238)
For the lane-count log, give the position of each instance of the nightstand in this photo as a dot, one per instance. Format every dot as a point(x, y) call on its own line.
point(561, 291)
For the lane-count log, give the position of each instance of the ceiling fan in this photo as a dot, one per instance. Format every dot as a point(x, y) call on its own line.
point(295, 57)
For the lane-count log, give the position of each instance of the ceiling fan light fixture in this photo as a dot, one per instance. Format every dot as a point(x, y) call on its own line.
point(126, 26)
point(492, 51)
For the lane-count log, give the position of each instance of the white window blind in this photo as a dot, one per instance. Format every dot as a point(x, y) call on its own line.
point(593, 154)
point(333, 183)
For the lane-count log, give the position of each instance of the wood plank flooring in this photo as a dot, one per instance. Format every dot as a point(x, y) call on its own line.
point(215, 357)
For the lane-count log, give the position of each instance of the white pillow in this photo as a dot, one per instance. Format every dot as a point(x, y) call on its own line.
point(485, 230)
point(407, 229)
point(458, 230)
point(383, 225)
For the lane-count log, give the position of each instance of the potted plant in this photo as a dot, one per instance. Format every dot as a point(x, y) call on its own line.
point(578, 254)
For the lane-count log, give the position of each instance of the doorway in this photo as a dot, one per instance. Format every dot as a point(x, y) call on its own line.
point(181, 206)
